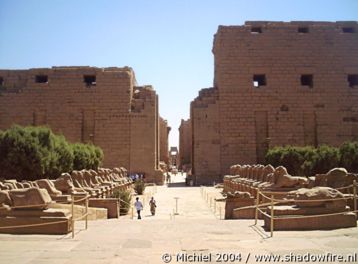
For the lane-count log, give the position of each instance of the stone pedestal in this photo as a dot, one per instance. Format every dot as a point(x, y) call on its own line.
point(310, 223)
point(111, 204)
point(61, 198)
point(50, 212)
point(248, 213)
point(62, 226)
point(235, 202)
point(79, 210)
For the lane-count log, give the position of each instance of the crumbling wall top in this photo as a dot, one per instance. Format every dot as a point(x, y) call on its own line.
point(206, 96)
point(264, 28)
point(291, 24)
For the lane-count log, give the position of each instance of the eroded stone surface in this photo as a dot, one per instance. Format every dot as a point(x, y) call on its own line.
point(318, 193)
point(30, 198)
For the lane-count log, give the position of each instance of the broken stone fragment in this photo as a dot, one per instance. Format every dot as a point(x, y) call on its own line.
point(336, 177)
point(238, 194)
point(318, 195)
point(31, 198)
point(5, 198)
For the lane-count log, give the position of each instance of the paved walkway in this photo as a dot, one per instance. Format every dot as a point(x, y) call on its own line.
point(190, 203)
point(194, 230)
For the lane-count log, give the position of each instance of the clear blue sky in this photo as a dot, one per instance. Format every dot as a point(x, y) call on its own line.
point(167, 42)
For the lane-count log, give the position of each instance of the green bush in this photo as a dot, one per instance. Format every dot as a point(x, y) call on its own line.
point(293, 159)
point(99, 156)
point(139, 186)
point(30, 153)
point(273, 156)
point(325, 159)
point(349, 156)
point(125, 199)
point(297, 160)
point(22, 155)
point(86, 156)
point(310, 161)
point(308, 164)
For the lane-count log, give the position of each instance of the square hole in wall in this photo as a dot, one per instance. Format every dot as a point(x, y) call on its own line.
point(41, 79)
point(347, 29)
point(1, 81)
point(284, 108)
point(303, 30)
point(307, 80)
point(90, 80)
point(256, 30)
point(352, 80)
point(259, 80)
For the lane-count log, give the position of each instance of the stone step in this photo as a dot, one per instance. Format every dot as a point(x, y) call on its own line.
point(312, 223)
point(79, 210)
point(61, 226)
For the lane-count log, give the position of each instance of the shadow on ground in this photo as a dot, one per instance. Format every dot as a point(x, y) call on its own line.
point(177, 184)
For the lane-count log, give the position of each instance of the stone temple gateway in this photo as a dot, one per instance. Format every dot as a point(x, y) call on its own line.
point(275, 83)
point(86, 104)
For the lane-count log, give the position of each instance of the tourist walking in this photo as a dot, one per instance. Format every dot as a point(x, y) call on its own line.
point(168, 177)
point(138, 206)
point(152, 205)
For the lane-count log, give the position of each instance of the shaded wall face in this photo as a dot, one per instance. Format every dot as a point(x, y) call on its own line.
point(185, 144)
point(163, 133)
point(144, 143)
point(95, 113)
point(301, 94)
point(206, 138)
point(157, 133)
point(102, 112)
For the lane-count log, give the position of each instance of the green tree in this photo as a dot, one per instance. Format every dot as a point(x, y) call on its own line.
point(349, 156)
point(30, 153)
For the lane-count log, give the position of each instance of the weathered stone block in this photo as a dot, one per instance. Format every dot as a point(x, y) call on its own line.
point(111, 204)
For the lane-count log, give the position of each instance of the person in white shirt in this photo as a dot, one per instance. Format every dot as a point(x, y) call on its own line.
point(138, 206)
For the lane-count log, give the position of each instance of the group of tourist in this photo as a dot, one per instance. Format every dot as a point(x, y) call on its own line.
point(137, 176)
point(139, 206)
